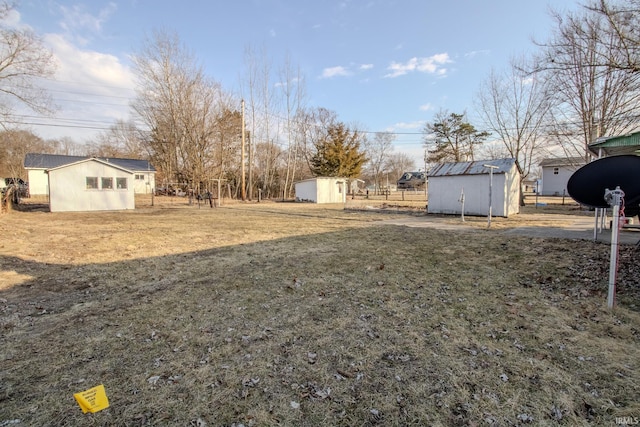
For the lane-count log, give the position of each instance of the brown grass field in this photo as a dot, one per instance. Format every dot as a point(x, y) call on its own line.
point(263, 314)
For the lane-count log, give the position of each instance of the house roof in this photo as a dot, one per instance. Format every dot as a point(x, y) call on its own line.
point(472, 168)
point(617, 145)
point(561, 161)
point(50, 161)
point(91, 159)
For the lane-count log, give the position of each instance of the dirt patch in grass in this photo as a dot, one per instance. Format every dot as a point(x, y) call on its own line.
point(288, 314)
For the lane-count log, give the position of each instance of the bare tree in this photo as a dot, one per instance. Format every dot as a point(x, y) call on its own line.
point(122, 139)
point(14, 145)
point(23, 59)
point(378, 150)
point(182, 110)
point(514, 106)
point(292, 87)
point(590, 97)
point(622, 21)
point(399, 163)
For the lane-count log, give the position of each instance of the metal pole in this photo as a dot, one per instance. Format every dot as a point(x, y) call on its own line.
point(614, 199)
point(244, 190)
point(491, 168)
point(613, 262)
point(462, 201)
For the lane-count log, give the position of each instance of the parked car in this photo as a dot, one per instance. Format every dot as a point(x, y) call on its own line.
point(21, 186)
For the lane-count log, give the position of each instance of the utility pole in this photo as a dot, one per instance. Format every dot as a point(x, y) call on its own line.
point(249, 165)
point(426, 197)
point(244, 190)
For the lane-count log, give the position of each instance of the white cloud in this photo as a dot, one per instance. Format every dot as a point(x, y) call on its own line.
point(475, 53)
point(432, 65)
point(406, 126)
point(327, 73)
point(86, 66)
point(272, 33)
point(90, 89)
point(366, 66)
point(426, 107)
point(12, 20)
point(76, 21)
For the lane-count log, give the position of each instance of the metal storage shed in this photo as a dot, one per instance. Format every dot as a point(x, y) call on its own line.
point(322, 190)
point(448, 181)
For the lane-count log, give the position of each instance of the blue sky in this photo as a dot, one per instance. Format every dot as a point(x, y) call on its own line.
point(387, 65)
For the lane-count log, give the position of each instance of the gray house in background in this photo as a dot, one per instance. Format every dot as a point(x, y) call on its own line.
point(556, 173)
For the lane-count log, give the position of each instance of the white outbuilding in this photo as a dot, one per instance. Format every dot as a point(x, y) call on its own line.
point(322, 189)
point(38, 165)
point(90, 185)
point(451, 184)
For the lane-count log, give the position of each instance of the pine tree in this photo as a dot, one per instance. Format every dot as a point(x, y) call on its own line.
point(338, 153)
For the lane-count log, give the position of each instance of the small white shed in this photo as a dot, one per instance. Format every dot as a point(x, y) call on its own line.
point(448, 181)
point(322, 189)
point(90, 185)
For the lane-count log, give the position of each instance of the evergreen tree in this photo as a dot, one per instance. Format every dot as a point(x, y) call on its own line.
point(338, 153)
point(451, 139)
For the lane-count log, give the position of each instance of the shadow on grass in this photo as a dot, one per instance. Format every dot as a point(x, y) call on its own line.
point(388, 326)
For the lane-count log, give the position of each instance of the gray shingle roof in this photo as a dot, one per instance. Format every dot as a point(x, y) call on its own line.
point(562, 161)
point(50, 161)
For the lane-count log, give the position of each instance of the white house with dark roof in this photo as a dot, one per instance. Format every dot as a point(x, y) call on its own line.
point(38, 165)
point(448, 182)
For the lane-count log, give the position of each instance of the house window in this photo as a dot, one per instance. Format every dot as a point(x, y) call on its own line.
point(556, 171)
point(139, 177)
point(107, 183)
point(121, 183)
point(92, 183)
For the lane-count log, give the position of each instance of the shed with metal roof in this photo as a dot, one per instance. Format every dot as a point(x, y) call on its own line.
point(451, 184)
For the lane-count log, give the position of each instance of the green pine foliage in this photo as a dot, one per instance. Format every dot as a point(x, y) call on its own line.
point(338, 153)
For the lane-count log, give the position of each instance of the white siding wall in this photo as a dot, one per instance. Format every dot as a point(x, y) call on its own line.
point(307, 191)
point(554, 185)
point(38, 182)
point(68, 190)
point(146, 185)
point(322, 190)
point(331, 190)
point(444, 194)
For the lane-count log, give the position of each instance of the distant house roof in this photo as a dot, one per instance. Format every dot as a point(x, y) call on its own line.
point(562, 161)
point(617, 145)
point(50, 161)
point(472, 168)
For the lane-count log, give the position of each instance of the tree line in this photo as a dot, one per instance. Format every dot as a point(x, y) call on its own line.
point(581, 83)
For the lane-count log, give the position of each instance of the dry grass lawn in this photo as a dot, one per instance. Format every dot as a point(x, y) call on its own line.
point(304, 315)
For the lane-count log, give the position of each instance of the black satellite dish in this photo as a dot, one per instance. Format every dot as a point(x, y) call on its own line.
point(587, 185)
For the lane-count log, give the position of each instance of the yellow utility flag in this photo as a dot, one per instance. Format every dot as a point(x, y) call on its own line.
point(92, 400)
